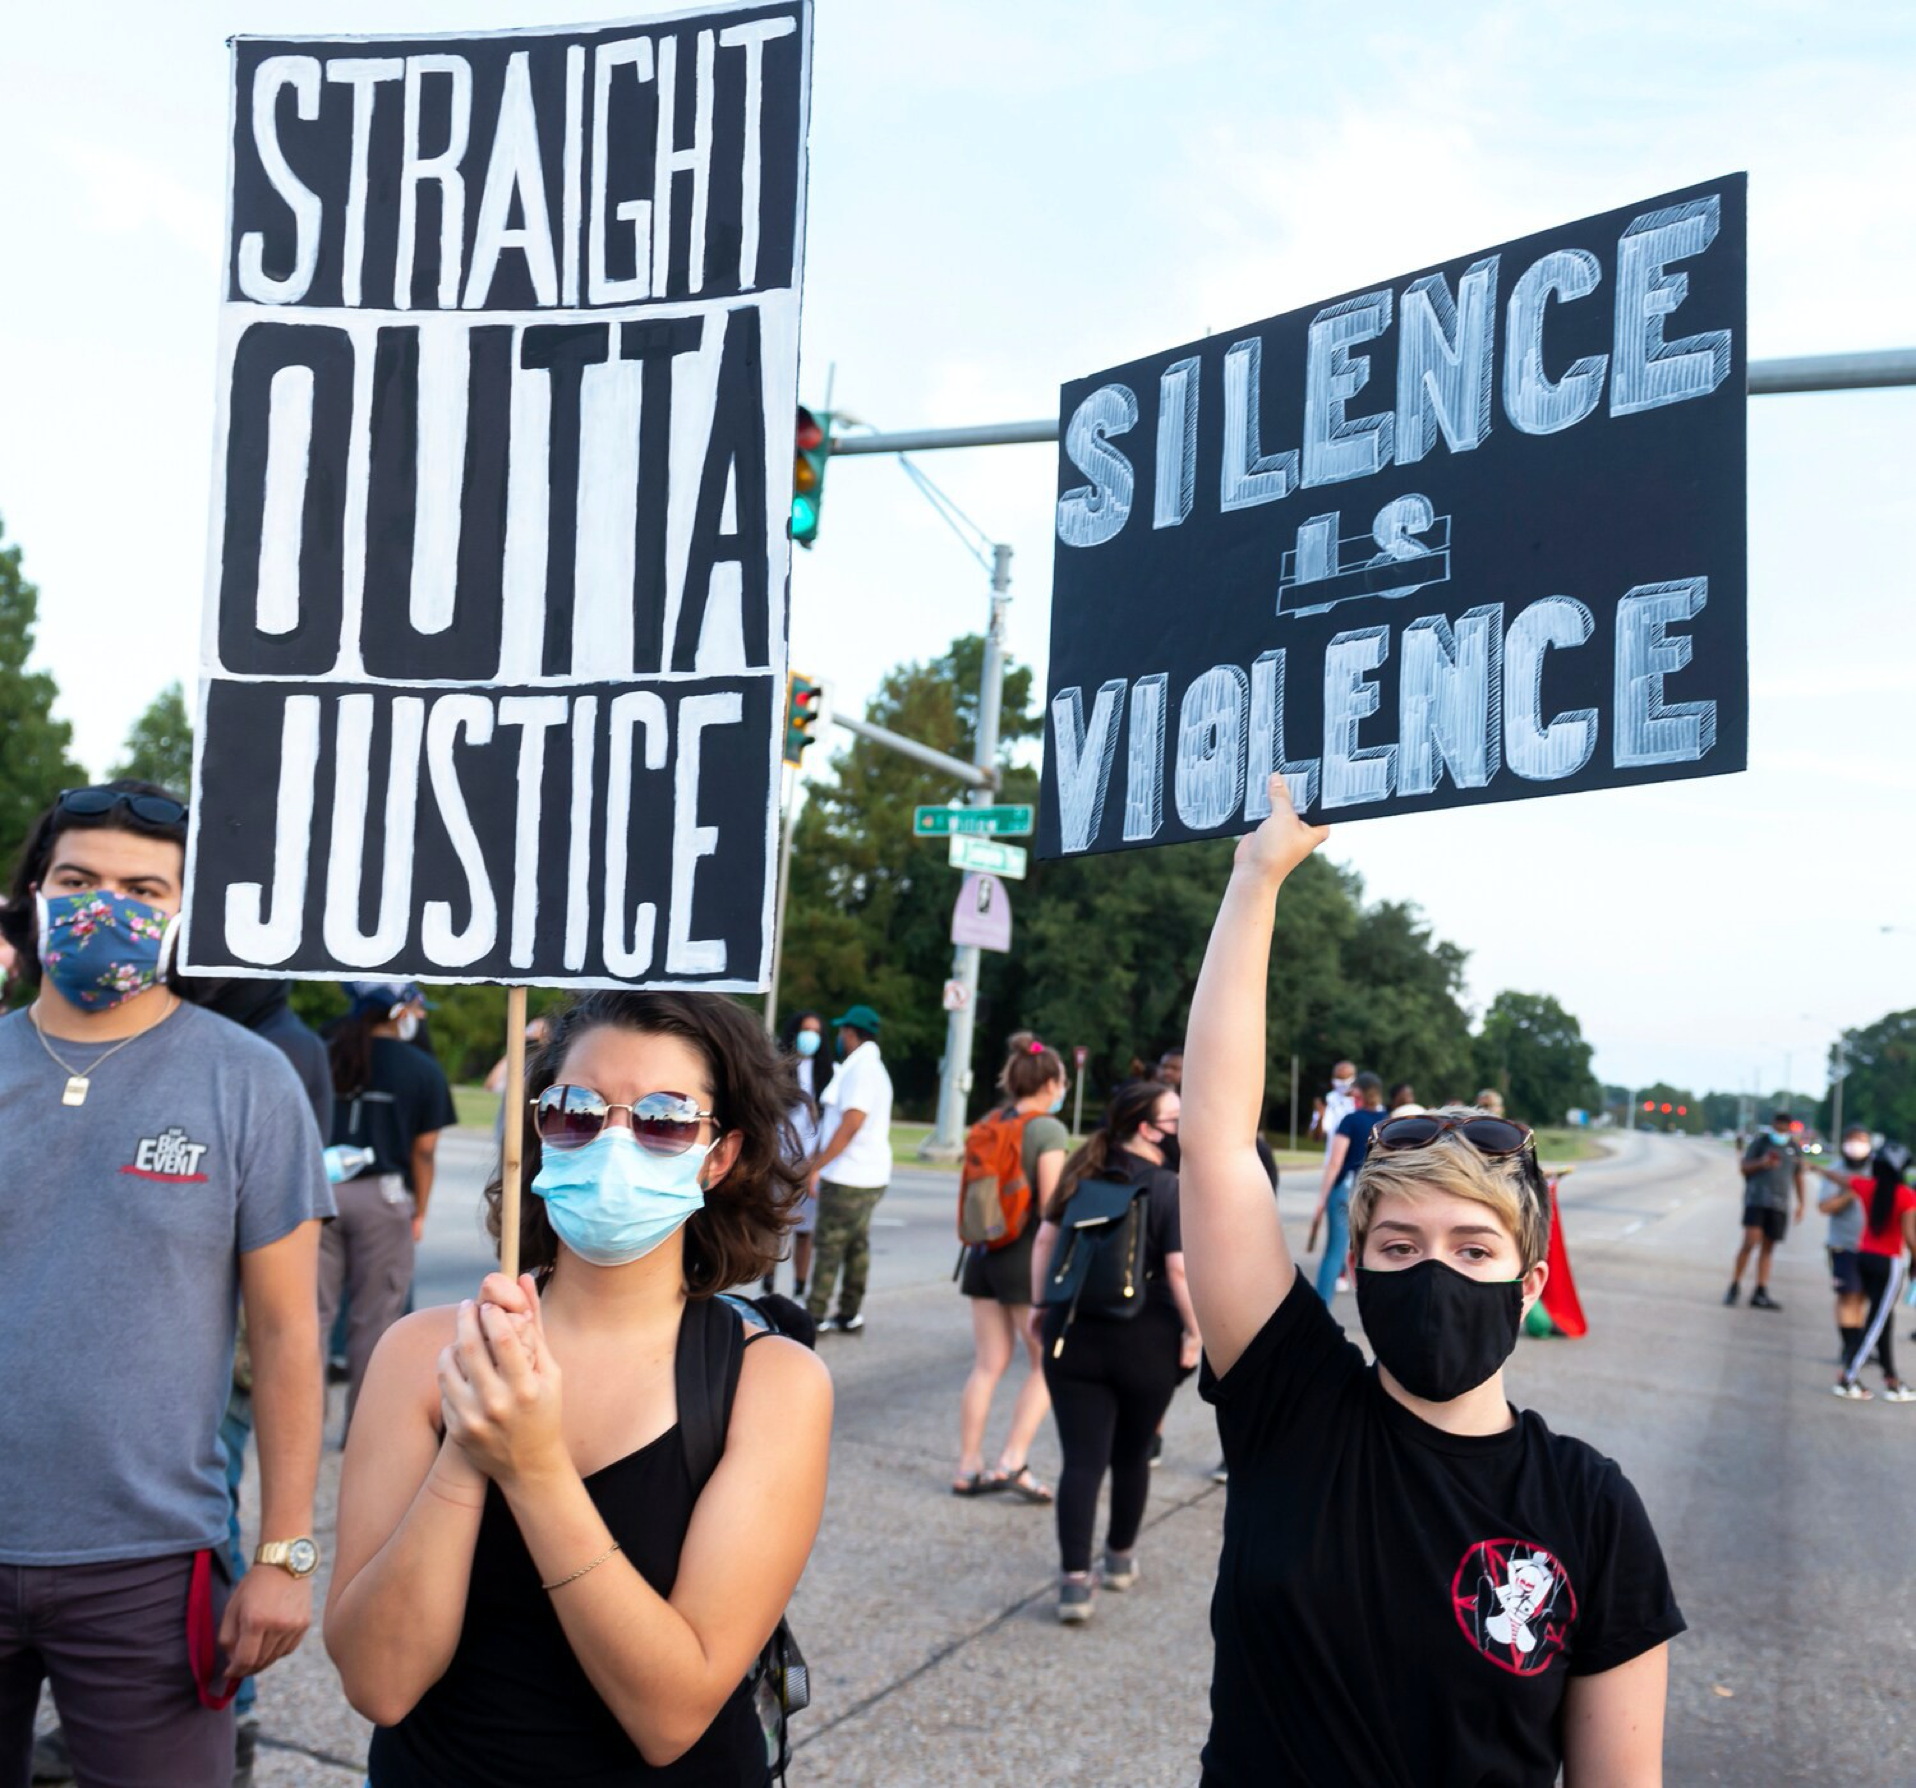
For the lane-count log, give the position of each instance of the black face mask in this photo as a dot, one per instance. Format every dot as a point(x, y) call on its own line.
point(1168, 1148)
point(1440, 1332)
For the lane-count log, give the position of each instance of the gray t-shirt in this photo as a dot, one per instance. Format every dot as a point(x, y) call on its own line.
point(1846, 1225)
point(121, 1226)
point(1770, 1188)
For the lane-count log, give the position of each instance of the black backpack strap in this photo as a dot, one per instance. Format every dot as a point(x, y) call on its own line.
point(705, 1376)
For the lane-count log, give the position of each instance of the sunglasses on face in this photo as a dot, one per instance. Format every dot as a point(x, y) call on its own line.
point(90, 803)
point(568, 1117)
point(1488, 1135)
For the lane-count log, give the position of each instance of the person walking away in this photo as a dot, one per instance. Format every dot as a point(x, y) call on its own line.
point(998, 1280)
point(1418, 1585)
point(531, 1586)
point(1341, 1162)
point(394, 1100)
point(159, 1172)
point(808, 1036)
point(1882, 1254)
point(1843, 1204)
point(1772, 1171)
point(851, 1171)
point(1111, 1378)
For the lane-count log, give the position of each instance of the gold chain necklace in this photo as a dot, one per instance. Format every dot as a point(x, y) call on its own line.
point(78, 1084)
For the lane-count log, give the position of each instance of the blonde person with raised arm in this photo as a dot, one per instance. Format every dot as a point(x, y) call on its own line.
point(532, 1585)
point(1419, 1584)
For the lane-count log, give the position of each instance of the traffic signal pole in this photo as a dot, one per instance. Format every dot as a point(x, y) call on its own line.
point(790, 823)
point(947, 1140)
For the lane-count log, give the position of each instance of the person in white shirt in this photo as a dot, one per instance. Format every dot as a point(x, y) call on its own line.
point(851, 1171)
point(1336, 1104)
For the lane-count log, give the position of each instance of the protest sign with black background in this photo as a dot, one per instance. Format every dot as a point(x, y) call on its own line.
point(494, 644)
point(1474, 534)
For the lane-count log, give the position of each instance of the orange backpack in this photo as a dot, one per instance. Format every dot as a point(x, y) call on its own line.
point(994, 1197)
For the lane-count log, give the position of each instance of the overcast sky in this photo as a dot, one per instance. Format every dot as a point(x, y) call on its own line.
point(1007, 195)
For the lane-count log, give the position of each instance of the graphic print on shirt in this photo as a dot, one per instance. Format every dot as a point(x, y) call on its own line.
point(1515, 1604)
point(171, 1156)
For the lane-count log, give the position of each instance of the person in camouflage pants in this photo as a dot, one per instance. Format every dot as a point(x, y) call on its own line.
point(843, 1238)
point(852, 1169)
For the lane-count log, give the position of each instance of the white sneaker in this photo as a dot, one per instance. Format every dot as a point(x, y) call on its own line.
point(1119, 1570)
point(1853, 1393)
point(1899, 1394)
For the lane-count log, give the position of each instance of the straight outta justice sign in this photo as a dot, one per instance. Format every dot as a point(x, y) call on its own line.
point(1473, 535)
point(495, 620)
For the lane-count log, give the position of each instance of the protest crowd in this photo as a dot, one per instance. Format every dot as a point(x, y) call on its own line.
point(511, 1504)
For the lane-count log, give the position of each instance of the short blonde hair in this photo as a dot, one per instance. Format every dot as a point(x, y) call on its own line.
point(1449, 1164)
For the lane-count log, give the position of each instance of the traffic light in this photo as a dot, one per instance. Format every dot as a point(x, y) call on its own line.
point(804, 708)
point(812, 446)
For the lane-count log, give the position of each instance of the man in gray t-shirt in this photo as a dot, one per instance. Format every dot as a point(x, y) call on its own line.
point(1772, 1169)
point(157, 1166)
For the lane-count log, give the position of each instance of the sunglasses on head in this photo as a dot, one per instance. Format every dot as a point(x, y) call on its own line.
point(568, 1117)
point(1487, 1135)
point(91, 803)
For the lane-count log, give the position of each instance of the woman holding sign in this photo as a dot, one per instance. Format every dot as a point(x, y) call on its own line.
point(531, 1587)
point(1418, 1585)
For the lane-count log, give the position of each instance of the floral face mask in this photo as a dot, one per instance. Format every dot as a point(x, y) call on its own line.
point(100, 949)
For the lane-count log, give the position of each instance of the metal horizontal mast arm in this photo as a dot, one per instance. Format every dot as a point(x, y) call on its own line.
point(1768, 378)
point(969, 774)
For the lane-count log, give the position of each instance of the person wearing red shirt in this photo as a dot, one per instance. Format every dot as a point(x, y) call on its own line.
point(1888, 1238)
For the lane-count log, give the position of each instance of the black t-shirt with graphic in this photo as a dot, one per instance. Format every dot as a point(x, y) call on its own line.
point(1400, 1606)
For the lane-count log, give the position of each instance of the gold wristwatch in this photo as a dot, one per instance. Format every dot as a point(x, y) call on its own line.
point(298, 1558)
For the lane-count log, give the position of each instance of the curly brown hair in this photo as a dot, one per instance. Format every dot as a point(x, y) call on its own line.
point(740, 1232)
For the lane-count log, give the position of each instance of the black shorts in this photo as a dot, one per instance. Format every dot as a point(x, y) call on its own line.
point(1846, 1277)
point(1003, 1275)
point(1774, 1224)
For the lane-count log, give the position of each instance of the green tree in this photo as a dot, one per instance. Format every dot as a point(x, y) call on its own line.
point(159, 746)
point(1880, 1088)
point(1533, 1052)
point(34, 746)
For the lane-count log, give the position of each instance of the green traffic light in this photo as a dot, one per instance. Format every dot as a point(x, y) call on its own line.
point(804, 520)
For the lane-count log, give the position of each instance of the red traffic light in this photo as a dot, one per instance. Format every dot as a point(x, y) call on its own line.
point(1683, 1111)
point(810, 435)
point(1796, 1126)
point(1649, 1105)
point(1666, 1105)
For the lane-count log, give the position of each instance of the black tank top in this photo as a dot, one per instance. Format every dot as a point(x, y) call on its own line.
point(514, 1708)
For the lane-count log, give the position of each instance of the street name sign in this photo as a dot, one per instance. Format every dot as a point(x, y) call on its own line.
point(1001, 822)
point(1475, 534)
point(988, 856)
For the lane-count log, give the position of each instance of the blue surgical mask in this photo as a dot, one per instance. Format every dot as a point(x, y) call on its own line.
point(1056, 1105)
point(612, 1202)
point(806, 1043)
point(100, 949)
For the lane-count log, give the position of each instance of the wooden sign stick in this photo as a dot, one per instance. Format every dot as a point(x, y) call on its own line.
point(515, 1131)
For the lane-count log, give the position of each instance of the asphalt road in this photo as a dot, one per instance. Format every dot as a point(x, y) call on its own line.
point(1785, 1515)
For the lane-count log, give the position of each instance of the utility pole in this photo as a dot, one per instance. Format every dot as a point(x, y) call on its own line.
point(784, 892)
point(947, 1140)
